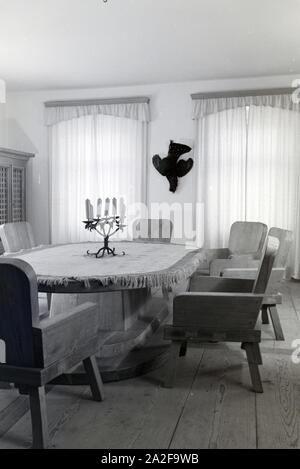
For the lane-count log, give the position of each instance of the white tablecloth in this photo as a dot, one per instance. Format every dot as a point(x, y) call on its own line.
point(144, 264)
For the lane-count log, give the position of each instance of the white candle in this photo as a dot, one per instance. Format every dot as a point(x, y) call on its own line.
point(107, 204)
point(91, 212)
point(114, 207)
point(122, 209)
point(99, 208)
point(87, 208)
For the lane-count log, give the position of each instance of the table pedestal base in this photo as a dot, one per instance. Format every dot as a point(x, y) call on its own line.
point(132, 352)
point(136, 363)
point(143, 350)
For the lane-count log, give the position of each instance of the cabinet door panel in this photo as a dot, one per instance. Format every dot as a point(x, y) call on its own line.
point(18, 194)
point(5, 186)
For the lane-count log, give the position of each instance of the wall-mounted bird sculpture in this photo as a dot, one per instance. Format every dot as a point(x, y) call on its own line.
point(171, 167)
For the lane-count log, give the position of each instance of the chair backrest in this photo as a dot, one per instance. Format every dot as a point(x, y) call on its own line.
point(17, 236)
point(19, 311)
point(285, 239)
point(266, 265)
point(247, 238)
point(153, 230)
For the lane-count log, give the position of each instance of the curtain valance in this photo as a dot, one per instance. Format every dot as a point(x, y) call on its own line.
point(131, 108)
point(211, 105)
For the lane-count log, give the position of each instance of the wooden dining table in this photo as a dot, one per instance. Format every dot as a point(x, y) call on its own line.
point(132, 290)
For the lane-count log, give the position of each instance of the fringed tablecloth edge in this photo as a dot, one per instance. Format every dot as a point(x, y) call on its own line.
point(180, 271)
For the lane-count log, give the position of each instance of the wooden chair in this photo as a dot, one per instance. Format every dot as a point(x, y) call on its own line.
point(245, 262)
point(273, 296)
point(17, 236)
point(153, 230)
point(285, 239)
point(221, 309)
point(38, 351)
point(246, 241)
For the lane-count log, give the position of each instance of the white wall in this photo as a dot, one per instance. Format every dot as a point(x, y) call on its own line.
point(171, 119)
point(2, 125)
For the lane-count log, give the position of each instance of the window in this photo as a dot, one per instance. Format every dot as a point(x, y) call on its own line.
point(250, 170)
point(93, 156)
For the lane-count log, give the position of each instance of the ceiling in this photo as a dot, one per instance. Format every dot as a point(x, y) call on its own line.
point(89, 43)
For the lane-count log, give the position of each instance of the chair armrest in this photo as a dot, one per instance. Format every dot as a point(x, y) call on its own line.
point(244, 273)
point(275, 279)
point(218, 265)
point(199, 283)
point(76, 334)
point(217, 310)
point(243, 256)
point(210, 254)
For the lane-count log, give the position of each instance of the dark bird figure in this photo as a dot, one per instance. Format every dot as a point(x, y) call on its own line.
point(171, 167)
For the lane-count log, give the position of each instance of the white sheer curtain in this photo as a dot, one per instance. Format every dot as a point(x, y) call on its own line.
point(250, 170)
point(90, 157)
point(221, 185)
point(273, 171)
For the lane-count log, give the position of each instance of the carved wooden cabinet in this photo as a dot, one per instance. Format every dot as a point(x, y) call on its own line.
point(13, 185)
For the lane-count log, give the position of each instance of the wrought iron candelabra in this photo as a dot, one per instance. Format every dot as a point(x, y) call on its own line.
point(106, 227)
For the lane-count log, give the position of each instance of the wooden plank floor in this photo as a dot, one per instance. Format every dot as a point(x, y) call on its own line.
point(211, 406)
